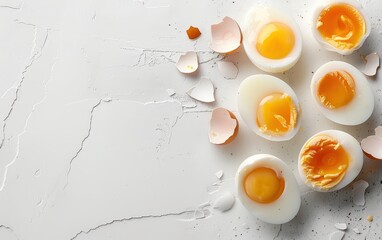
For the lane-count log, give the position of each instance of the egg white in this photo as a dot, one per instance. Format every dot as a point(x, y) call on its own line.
point(316, 13)
point(253, 22)
point(352, 148)
point(282, 210)
point(252, 90)
point(361, 106)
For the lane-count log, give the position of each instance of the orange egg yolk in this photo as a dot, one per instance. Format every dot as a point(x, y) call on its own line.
point(276, 114)
point(275, 40)
point(341, 25)
point(263, 185)
point(324, 162)
point(336, 89)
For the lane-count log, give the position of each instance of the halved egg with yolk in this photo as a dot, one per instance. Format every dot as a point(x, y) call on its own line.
point(340, 90)
point(330, 160)
point(268, 189)
point(341, 25)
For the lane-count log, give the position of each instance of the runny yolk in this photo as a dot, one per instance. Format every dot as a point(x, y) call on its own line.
point(341, 25)
point(262, 185)
point(276, 114)
point(324, 161)
point(336, 89)
point(275, 40)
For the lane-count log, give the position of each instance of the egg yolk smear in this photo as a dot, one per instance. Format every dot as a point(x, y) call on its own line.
point(341, 25)
point(336, 89)
point(275, 40)
point(276, 114)
point(262, 185)
point(324, 162)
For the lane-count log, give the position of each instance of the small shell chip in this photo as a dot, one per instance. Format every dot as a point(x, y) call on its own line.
point(359, 189)
point(341, 226)
point(226, 36)
point(372, 145)
point(203, 91)
point(372, 64)
point(188, 62)
point(193, 32)
point(225, 202)
point(337, 235)
point(223, 126)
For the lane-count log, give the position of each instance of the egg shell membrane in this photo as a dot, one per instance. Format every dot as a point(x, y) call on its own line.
point(252, 90)
point(324, 4)
point(362, 103)
point(372, 145)
point(352, 148)
point(254, 21)
point(224, 126)
point(280, 211)
point(226, 36)
point(188, 62)
point(193, 32)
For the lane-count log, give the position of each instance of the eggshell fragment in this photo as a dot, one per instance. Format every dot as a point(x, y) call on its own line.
point(372, 145)
point(188, 62)
point(225, 202)
point(372, 63)
point(223, 126)
point(341, 226)
point(219, 174)
point(193, 32)
point(203, 91)
point(337, 235)
point(227, 69)
point(359, 188)
point(356, 230)
point(170, 92)
point(226, 36)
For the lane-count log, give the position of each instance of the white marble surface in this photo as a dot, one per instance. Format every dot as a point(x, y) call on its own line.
point(93, 147)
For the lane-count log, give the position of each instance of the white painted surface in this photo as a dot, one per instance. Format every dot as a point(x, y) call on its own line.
point(93, 147)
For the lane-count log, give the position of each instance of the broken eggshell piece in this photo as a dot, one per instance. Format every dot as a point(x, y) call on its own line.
point(203, 91)
point(372, 145)
point(372, 64)
point(226, 36)
point(193, 32)
point(223, 126)
point(227, 69)
point(359, 189)
point(188, 62)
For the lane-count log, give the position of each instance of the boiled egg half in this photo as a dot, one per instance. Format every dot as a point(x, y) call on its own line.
point(271, 39)
point(330, 160)
point(268, 189)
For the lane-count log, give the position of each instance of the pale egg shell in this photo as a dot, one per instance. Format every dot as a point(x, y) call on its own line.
point(372, 145)
point(254, 21)
point(363, 100)
point(203, 91)
point(354, 151)
point(324, 4)
point(226, 36)
point(337, 235)
point(227, 69)
point(359, 189)
point(224, 202)
point(372, 64)
point(252, 90)
point(223, 126)
point(188, 62)
point(283, 209)
point(341, 226)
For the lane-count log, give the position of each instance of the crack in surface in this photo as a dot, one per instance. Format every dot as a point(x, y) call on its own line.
point(130, 219)
point(10, 229)
point(82, 142)
point(278, 233)
point(10, 7)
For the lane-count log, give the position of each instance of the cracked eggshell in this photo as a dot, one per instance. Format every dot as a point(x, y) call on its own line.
point(203, 91)
point(188, 62)
point(372, 145)
point(227, 69)
point(193, 32)
point(224, 126)
point(352, 148)
point(337, 235)
point(283, 209)
point(324, 4)
point(226, 36)
point(359, 189)
point(372, 64)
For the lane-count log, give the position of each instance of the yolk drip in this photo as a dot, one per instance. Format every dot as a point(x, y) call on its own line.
point(341, 25)
point(275, 40)
point(263, 185)
point(336, 89)
point(324, 162)
point(276, 114)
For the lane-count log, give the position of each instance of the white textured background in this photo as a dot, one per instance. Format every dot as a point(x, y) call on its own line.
point(92, 146)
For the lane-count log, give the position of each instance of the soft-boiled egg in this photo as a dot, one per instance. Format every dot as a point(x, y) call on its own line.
point(330, 160)
point(269, 107)
point(268, 189)
point(340, 25)
point(271, 39)
point(342, 93)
